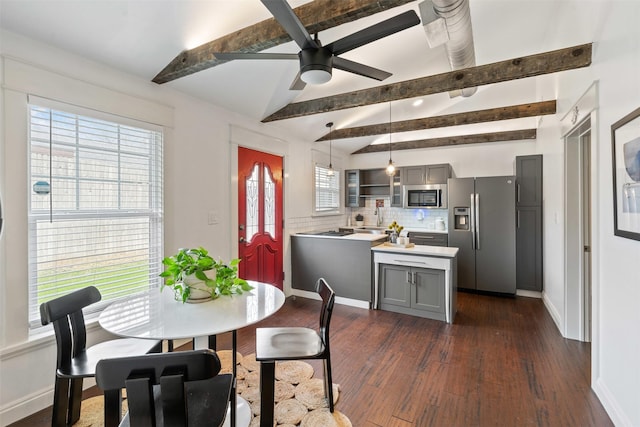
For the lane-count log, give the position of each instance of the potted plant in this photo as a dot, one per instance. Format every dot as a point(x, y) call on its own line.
point(194, 275)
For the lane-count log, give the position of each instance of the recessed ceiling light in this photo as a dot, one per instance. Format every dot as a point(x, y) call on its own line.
point(417, 102)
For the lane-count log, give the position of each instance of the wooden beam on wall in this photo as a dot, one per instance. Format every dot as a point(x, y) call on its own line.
point(515, 135)
point(470, 117)
point(512, 69)
point(316, 16)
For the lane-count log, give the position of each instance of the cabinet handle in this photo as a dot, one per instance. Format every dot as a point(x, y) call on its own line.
point(409, 277)
point(518, 188)
point(415, 278)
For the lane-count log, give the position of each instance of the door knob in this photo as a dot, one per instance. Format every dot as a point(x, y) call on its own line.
point(241, 239)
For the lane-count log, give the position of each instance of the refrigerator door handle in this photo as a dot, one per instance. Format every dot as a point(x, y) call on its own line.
point(472, 220)
point(477, 221)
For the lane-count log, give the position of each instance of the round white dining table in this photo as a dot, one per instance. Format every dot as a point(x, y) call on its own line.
point(157, 315)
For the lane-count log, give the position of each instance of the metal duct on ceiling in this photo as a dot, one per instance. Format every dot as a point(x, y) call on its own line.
point(449, 22)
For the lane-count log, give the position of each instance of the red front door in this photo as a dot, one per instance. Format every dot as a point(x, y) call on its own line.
point(260, 216)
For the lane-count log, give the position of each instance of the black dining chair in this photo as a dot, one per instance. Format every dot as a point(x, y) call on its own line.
point(74, 360)
point(183, 388)
point(295, 343)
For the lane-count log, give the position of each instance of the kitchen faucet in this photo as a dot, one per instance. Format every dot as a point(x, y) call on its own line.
point(379, 215)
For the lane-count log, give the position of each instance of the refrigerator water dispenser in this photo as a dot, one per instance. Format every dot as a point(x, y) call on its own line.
point(461, 216)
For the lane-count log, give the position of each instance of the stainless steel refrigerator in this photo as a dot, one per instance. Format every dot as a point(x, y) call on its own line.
point(482, 224)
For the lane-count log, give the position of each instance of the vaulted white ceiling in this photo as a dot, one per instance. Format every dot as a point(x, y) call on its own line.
point(142, 36)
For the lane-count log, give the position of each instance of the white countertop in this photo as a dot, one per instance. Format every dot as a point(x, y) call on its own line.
point(421, 250)
point(404, 231)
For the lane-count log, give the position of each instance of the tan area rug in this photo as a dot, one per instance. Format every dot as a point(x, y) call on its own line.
point(299, 397)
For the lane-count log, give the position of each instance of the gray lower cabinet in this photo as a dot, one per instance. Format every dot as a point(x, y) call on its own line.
point(412, 290)
point(344, 263)
point(529, 248)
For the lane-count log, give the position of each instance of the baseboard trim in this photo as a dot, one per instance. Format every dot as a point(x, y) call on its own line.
point(339, 300)
point(528, 294)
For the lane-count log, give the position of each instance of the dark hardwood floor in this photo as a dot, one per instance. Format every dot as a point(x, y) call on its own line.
point(502, 363)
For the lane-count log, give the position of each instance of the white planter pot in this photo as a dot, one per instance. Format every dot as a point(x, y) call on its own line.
point(199, 289)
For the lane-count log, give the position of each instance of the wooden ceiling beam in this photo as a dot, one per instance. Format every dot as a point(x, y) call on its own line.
point(470, 117)
point(316, 16)
point(515, 135)
point(527, 66)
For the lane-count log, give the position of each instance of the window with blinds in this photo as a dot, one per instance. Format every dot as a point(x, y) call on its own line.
point(327, 190)
point(95, 206)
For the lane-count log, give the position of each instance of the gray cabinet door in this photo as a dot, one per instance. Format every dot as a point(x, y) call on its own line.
point(394, 288)
point(427, 292)
point(352, 189)
point(396, 189)
point(437, 174)
point(529, 180)
point(529, 248)
point(413, 175)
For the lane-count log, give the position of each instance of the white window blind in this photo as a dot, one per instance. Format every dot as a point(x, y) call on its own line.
point(100, 222)
point(327, 187)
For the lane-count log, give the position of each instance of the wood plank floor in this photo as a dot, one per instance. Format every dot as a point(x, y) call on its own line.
point(502, 363)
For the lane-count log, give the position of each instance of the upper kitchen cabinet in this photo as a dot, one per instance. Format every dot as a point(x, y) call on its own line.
point(374, 183)
point(529, 180)
point(396, 189)
point(427, 174)
point(352, 189)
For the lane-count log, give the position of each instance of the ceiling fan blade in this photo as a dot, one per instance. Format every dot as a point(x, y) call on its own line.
point(358, 68)
point(228, 56)
point(297, 83)
point(374, 32)
point(283, 13)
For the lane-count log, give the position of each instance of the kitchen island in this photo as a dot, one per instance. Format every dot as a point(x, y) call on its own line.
point(418, 280)
point(344, 260)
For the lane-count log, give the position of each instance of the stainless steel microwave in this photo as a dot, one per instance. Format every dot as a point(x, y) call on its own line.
point(425, 196)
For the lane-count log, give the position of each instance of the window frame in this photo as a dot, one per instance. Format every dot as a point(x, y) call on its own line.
point(333, 210)
point(152, 212)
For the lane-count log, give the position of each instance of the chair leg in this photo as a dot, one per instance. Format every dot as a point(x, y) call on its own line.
point(328, 383)
point(267, 386)
point(60, 402)
point(112, 407)
point(75, 400)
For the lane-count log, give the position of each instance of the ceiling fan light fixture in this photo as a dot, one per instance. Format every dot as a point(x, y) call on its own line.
point(315, 76)
point(315, 65)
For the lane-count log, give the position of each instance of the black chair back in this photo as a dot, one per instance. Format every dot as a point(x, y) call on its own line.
point(172, 389)
point(66, 315)
point(328, 298)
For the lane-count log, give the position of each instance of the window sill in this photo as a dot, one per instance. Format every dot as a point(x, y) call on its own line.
point(39, 338)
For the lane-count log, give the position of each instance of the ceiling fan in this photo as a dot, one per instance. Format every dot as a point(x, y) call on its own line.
point(316, 60)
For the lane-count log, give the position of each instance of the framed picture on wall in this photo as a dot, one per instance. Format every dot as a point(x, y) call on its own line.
point(625, 145)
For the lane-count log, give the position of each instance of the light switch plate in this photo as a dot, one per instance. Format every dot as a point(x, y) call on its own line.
point(214, 218)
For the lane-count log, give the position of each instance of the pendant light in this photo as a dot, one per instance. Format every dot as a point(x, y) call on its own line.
point(330, 172)
point(391, 169)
